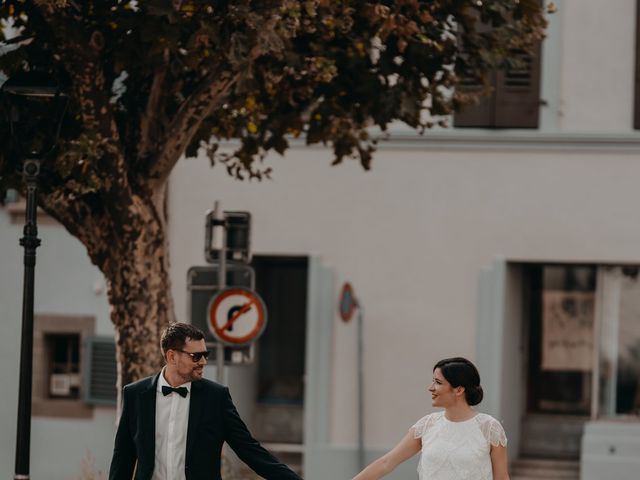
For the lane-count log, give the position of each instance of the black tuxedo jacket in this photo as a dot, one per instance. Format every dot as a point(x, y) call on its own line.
point(213, 420)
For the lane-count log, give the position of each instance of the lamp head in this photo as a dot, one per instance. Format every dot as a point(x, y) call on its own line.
point(34, 103)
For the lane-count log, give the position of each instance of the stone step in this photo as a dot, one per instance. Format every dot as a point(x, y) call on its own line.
point(545, 469)
point(288, 453)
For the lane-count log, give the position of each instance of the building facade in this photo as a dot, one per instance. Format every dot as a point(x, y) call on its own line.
point(503, 239)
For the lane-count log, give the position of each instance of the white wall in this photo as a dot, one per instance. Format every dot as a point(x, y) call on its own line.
point(598, 65)
point(64, 281)
point(412, 236)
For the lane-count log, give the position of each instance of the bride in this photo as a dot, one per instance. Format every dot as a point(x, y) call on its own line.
point(457, 443)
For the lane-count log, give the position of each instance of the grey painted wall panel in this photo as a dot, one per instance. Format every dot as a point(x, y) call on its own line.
point(610, 450)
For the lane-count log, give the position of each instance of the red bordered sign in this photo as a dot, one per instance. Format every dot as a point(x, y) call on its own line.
point(348, 302)
point(237, 316)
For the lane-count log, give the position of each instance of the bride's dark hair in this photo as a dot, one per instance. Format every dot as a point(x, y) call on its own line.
point(460, 372)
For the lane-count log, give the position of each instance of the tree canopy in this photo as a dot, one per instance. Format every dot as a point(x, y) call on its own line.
point(155, 80)
point(160, 78)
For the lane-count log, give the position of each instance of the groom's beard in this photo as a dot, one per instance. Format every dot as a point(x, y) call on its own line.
point(195, 374)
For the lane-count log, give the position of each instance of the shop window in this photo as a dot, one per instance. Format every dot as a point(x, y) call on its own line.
point(619, 358)
point(584, 340)
point(561, 338)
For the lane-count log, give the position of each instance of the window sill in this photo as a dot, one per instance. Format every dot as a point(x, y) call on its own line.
point(17, 211)
point(512, 139)
point(61, 408)
point(479, 139)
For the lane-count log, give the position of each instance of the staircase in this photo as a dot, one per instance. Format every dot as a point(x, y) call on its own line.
point(289, 454)
point(545, 469)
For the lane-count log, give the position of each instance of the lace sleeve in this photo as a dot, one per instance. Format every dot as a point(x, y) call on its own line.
point(422, 425)
point(493, 431)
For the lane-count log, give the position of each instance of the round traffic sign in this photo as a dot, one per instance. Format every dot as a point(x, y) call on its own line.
point(237, 316)
point(348, 302)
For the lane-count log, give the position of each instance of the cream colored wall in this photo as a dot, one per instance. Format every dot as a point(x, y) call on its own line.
point(598, 65)
point(412, 236)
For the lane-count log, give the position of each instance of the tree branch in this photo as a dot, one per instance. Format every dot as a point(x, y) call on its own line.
point(210, 95)
point(80, 221)
point(149, 120)
point(81, 55)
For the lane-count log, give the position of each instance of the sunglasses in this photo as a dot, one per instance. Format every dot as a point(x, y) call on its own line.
point(195, 356)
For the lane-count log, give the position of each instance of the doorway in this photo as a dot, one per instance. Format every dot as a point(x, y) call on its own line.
point(560, 305)
point(278, 417)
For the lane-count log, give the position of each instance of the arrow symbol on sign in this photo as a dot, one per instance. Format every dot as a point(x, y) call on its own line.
point(244, 309)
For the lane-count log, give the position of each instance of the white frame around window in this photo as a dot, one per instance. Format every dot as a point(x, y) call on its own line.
point(607, 325)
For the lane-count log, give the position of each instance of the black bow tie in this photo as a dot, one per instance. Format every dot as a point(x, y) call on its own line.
point(182, 391)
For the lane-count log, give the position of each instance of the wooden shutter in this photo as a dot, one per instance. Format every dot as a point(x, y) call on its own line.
point(517, 95)
point(514, 101)
point(100, 371)
point(636, 106)
point(481, 114)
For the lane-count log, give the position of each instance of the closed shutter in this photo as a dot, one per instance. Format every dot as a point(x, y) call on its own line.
point(100, 371)
point(514, 97)
point(481, 114)
point(517, 94)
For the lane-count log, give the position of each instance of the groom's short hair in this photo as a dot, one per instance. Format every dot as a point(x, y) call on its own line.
point(175, 336)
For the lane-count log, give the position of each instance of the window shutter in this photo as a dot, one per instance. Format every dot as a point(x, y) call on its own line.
point(100, 371)
point(636, 107)
point(481, 114)
point(514, 101)
point(517, 93)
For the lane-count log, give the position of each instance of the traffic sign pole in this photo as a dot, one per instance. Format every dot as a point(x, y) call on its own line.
point(222, 281)
point(347, 307)
point(360, 387)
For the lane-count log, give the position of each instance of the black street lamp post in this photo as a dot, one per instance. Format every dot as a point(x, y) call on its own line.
point(35, 106)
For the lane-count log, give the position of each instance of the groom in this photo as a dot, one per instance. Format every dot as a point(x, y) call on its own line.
point(173, 425)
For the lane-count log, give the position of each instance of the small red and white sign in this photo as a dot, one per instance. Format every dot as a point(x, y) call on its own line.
point(237, 316)
point(348, 302)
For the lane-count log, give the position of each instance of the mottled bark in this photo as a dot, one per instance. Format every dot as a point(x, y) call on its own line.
point(139, 292)
point(134, 261)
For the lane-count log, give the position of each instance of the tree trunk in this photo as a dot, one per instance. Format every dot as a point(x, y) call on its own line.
point(128, 243)
point(139, 291)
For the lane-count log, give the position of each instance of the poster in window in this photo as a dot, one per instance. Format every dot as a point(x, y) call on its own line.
point(567, 330)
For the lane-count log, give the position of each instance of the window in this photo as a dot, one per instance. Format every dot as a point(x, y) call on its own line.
point(584, 340)
point(63, 357)
point(619, 358)
point(16, 206)
point(514, 98)
point(561, 338)
point(59, 365)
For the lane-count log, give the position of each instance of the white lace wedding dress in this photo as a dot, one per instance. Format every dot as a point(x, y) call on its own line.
point(457, 450)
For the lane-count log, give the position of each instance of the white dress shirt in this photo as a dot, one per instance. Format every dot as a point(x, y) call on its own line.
point(172, 416)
